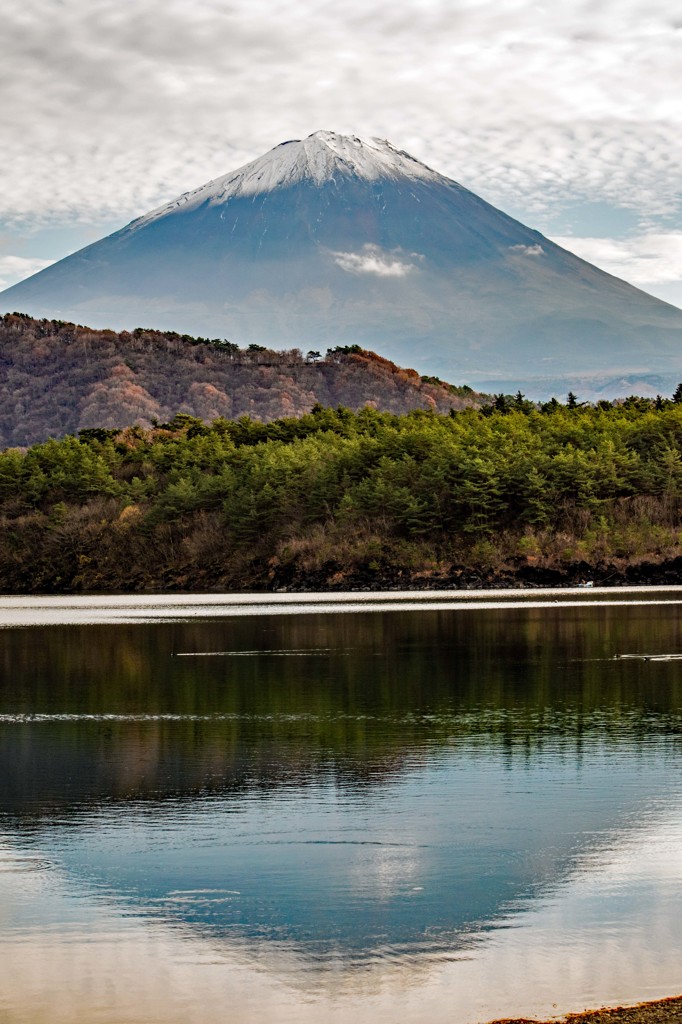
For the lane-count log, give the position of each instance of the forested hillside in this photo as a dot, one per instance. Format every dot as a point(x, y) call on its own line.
point(57, 378)
point(337, 499)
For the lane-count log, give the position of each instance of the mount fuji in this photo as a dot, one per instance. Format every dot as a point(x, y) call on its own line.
point(335, 240)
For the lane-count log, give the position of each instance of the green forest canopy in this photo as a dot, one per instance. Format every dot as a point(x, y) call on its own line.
point(475, 486)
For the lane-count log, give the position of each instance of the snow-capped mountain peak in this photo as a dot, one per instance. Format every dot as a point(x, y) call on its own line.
point(333, 240)
point(324, 154)
point(321, 157)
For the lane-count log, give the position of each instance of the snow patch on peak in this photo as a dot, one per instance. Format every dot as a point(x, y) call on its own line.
point(321, 157)
point(328, 153)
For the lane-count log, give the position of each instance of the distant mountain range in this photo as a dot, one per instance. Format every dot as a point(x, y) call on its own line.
point(335, 240)
point(59, 378)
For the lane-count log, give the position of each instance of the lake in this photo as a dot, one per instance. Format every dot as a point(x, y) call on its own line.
point(372, 807)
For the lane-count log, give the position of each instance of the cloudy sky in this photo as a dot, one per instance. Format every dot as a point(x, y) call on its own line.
point(568, 117)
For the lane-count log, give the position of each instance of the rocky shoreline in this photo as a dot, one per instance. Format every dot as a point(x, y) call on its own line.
point(662, 1011)
point(291, 578)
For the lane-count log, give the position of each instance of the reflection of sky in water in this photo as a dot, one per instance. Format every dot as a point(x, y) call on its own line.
point(31, 611)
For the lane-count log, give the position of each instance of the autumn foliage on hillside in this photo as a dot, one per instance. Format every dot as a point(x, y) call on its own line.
point(58, 378)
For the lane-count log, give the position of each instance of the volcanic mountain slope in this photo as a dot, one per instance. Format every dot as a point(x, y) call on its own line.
point(335, 240)
point(58, 378)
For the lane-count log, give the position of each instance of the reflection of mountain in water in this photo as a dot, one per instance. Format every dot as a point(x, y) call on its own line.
point(415, 868)
point(399, 779)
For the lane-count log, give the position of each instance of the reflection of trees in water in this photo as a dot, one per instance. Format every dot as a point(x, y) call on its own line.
point(366, 692)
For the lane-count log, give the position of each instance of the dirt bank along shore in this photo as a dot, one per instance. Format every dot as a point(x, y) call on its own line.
point(663, 1011)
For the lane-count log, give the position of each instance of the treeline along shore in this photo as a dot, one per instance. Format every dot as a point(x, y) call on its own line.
point(508, 495)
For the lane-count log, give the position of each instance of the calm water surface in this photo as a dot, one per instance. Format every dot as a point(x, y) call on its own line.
point(373, 809)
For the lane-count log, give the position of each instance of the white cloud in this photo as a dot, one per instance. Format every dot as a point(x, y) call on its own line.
point(373, 260)
point(646, 260)
point(16, 268)
point(109, 109)
point(528, 250)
